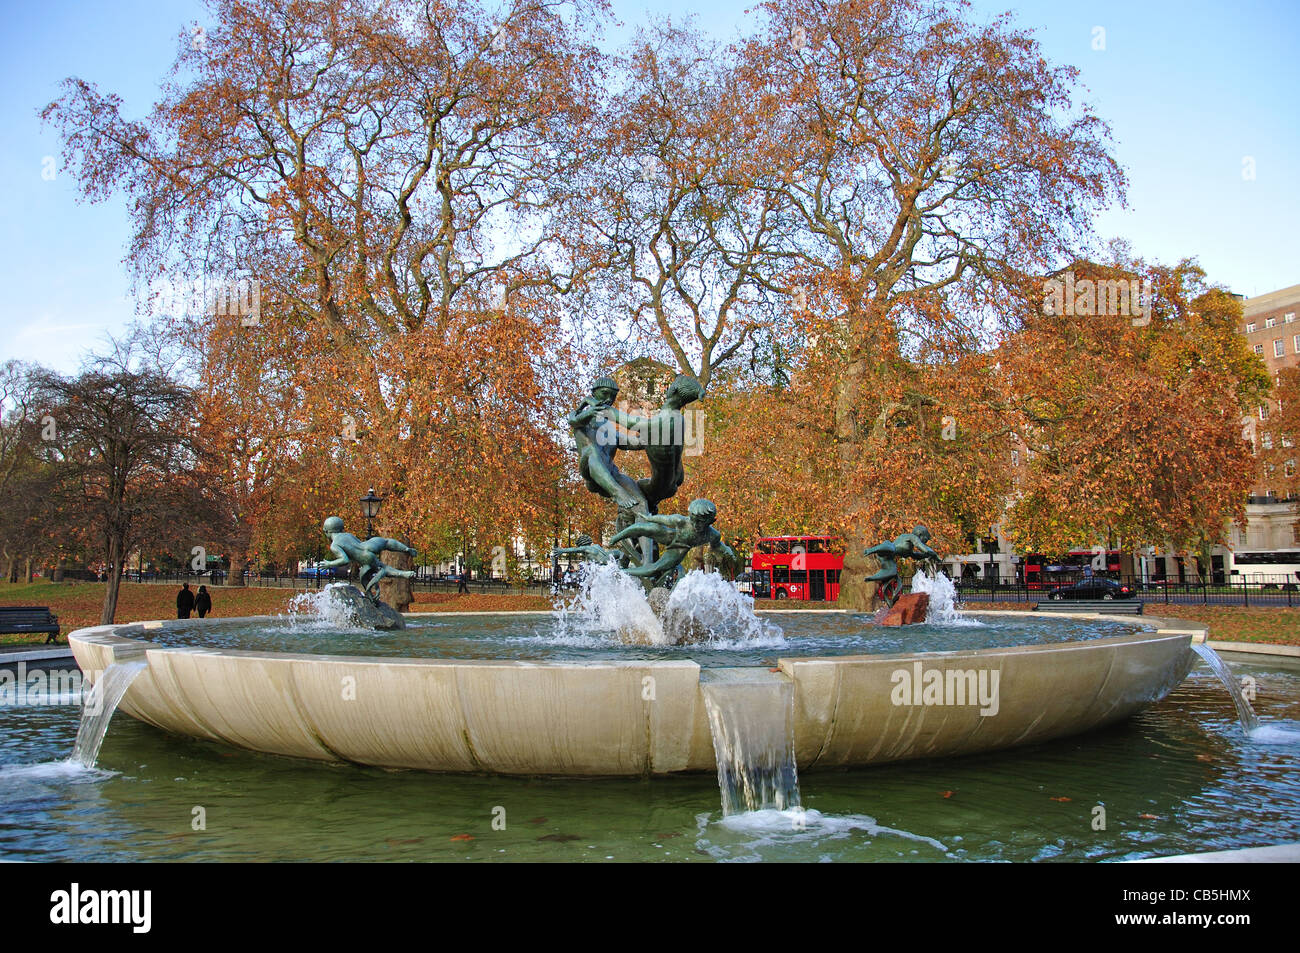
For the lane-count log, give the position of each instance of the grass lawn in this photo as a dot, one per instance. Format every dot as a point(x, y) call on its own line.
point(78, 605)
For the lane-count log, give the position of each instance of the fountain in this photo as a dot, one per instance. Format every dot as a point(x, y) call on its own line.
point(645, 670)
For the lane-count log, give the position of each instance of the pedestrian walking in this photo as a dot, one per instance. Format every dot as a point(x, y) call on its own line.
point(184, 602)
point(203, 602)
point(464, 580)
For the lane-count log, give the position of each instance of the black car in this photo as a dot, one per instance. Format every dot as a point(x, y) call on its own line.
point(1093, 587)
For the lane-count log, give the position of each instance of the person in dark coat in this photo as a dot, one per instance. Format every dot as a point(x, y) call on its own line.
point(464, 580)
point(203, 602)
point(184, 602)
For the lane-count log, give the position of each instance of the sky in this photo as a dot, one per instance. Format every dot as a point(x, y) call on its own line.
point(1201, 99)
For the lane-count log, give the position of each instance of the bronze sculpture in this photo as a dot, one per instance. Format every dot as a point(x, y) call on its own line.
point(600, 430)
point(907, 546)
point(595, 554)
point(676, 535)
point(365, 555)
point(663, 437)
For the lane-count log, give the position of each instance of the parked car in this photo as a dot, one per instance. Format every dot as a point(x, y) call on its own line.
point(1092, 587)
point(333, 572)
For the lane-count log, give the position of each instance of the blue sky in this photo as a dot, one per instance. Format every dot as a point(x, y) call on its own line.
point(1196, 95)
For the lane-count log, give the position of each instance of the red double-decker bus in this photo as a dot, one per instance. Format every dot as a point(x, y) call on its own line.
point(798, 567)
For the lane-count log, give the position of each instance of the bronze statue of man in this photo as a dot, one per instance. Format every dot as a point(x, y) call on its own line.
point(597, 440)
point(911, 545)
point(676, 535)
point(663, 437)
point(365, 555)
point(586, 548)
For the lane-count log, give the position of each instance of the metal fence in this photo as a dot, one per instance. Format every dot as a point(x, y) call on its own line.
point(1190, 590)
point(427, 583)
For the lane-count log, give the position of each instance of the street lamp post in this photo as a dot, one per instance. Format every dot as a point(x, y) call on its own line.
point(370, 509)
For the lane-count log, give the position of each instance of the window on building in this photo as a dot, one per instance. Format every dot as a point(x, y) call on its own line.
point(1269, 322)
point(1015, 458)
point(1263, 411)
point(1295, 343)
point(1289, 317)
point(1266, 441)
point(1244, 534)
point(1259, 349)
point(1250, 328)
point(1279, 348)
point(1289, 470)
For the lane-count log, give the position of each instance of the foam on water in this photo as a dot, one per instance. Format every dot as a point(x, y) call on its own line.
point(943, 599)
point(767, 828)
point(48, 771)
point(1278, 733)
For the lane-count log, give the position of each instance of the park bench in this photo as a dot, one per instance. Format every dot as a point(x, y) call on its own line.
point(1106, 606)
point(19, 619)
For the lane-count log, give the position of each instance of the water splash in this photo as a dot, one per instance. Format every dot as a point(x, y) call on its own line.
point(1285, 733)
point(324, 608)
point(99, 707)
point(608, 600)
point(752, 836)
point(943, 599)
point(702, 608)
point(751, 717)
point(1246, 714)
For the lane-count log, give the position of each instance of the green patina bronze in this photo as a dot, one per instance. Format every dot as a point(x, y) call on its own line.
point(365, 555)
point(600, 430)
point(663, 438)
point(911, 545)
point(676, 535)
point(585, 548)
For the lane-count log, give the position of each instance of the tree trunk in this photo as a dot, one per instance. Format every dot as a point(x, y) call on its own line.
point(856, 594)
point(114, 581)
point(11, 569)
point(398, 593)
point(237, 563)
point(59, 568)
point(27, 570)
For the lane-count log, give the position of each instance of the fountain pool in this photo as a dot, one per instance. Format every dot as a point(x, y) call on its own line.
point(550, 698)
point(1179, 776)
point(778, 712)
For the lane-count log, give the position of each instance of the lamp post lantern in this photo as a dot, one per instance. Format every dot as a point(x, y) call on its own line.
point(370, 509)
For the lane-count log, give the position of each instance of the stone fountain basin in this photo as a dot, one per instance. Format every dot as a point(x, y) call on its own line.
point(625, 717)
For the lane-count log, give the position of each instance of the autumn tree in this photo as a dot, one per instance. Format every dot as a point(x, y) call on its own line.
point(391, 175)
point(1277, 453)
point(690, 243)
point(124, 445)
point(1130, 423)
